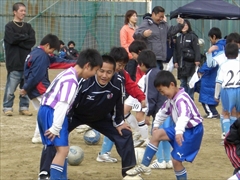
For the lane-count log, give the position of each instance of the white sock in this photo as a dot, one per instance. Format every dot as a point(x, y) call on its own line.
point(36, 132)
point(132, 121)
point(143, 129)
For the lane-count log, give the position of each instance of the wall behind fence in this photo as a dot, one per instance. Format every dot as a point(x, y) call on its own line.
point(96, 24)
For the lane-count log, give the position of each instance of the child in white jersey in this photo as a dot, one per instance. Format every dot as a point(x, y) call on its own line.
point(185, 136)
point(52, 120)
point(228, 82)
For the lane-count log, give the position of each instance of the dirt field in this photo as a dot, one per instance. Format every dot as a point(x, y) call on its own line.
point(20, 158)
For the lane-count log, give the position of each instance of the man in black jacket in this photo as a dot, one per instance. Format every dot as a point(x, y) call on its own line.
point(19, 38)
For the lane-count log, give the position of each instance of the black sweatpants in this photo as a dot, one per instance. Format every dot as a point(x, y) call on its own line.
point(124, 143)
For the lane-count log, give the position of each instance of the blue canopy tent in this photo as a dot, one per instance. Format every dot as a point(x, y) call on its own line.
point(207, 9)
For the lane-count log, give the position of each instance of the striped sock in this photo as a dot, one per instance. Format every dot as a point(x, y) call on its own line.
point(56, 172)
point(149, 153)
point(181, 175)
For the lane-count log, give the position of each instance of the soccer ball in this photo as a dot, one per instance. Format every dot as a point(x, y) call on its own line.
point(91, 137)
point(75, 155)
point(139, 152)
point(201, 42)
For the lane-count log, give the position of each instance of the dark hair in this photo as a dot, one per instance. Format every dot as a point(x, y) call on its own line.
point(164, 78)
point(186, 21)
point(52, 40)
point(136, 46)
point(147, 58)
point(61, 42)
point(110, 60)
point(71, 42)
point(231, 50)
point(158, 9)
point(119, 54)
point(128, 14)
point(90, 56)
point(233, 37)
point(215, 31)
point(17, 5)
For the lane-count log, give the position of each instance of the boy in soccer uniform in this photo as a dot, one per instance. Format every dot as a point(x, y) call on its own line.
point(147, 62)
point(58, 98)
point(228, 83)
point(219, 59)
point(185, 137)
point(36, 80)
point(99, 104)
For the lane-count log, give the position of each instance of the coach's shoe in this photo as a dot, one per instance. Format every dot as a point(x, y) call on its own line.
point(169, 164)
point(25, 113)
point(8, 113)
point(43, 175)
point(106, 158)
point(138, 170)
point(158, 165)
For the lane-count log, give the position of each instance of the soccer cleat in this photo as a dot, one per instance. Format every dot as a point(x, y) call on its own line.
point(25, 113)
point(8, 113)
point(82, 128)
point(36, 140)
point(106, 158)
point(137, 177)
point(43, 175)
point(217, 116)
point(138, 143)
point(158, 165)
point(139, 169)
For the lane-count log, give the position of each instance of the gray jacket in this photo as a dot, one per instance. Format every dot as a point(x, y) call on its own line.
point(157, 42)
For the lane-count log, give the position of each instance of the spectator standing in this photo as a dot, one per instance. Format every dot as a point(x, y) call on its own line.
point(126, 38)
point(19, 38)
point(186, 56)
point(154, 30)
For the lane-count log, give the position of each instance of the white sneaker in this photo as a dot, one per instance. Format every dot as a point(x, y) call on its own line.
point(138, 143)
point(138, 170)
point(106, 158)
point(158, 165)
point(37, 140)
point(234, 177)
point(82, 128)
point(169, 165)
point(223, 136)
